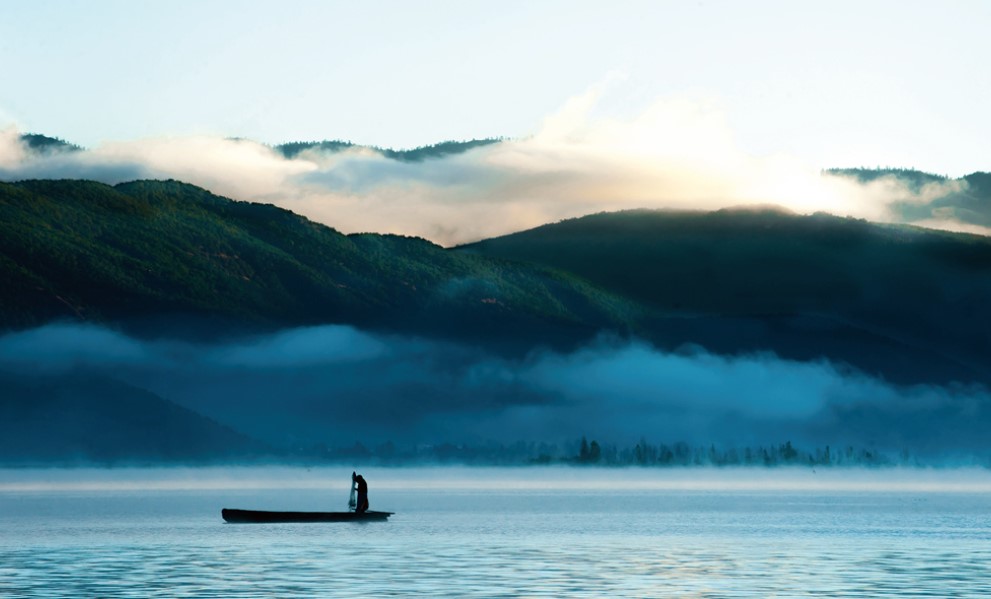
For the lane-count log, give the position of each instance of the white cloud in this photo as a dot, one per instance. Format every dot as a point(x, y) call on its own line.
point(677, 152)
point(12, 153)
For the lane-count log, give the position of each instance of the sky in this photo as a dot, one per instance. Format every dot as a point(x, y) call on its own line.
point(832, 83)
point(602, 107)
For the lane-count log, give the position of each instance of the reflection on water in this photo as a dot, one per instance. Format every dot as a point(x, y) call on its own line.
point(458, 536)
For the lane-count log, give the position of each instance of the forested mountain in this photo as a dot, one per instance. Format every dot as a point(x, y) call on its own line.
point(153, 254)
point(419, 154)
point(83, 418)
point(893, 299)
point(42, 144)
point(184, 271)
point(967, 199)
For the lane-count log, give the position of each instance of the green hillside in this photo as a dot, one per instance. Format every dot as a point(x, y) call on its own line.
point(162, 256)
point(809, 284)
point(157, 254)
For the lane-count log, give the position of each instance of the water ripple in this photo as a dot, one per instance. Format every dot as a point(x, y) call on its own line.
point(488, 544)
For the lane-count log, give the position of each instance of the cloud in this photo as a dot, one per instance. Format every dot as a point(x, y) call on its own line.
point(676, 152)
point(234, 168)
point(54, 349)
point(12, 152)
point(937, 204)
point(337, 384)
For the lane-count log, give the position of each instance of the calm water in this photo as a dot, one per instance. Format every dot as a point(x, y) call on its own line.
point(492, 533)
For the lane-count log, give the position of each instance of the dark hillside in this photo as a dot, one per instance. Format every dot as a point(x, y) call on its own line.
point(42, 144)
point(153, 254)
point(754, 279)
point(966, 200)
point(74, 418)
point(419, 154)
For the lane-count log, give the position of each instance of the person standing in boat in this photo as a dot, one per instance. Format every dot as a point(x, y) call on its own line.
point(362, 503)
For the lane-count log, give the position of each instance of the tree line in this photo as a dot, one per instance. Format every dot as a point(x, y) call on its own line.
point(585, 452)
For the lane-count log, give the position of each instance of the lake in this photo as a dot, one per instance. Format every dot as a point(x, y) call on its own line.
point(493, 532)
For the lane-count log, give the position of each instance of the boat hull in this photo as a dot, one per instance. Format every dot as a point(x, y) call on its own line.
point(261, 517)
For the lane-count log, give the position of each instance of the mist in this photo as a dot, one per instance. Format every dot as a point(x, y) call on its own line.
point(332, 481)
point(339, 385)
point(677, 152)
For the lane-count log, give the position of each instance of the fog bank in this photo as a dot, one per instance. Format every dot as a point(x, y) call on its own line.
point(454, 478)
point(338, 385)
point(676, 152)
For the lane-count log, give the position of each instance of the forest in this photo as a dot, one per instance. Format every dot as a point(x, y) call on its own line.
point(586, 453)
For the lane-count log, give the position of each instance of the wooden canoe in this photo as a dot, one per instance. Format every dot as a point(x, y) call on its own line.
point(258, 516)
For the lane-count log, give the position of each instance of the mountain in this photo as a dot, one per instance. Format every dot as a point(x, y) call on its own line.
point(42, 144)
point(183, 279)
point(966, 199)
point(154, 256)
point(85, 418)
point(903, 302)
point(913, 179)
point(162, 256)
point(419, 154)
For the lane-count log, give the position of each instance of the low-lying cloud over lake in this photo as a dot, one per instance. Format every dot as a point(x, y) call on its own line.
point(338, 385)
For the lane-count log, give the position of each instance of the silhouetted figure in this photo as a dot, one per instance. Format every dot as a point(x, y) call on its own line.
point(362, 503)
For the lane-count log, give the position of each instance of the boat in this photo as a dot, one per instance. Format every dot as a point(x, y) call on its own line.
point(259, 516)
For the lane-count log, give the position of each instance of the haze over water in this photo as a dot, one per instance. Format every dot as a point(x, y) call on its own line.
point(499, 532)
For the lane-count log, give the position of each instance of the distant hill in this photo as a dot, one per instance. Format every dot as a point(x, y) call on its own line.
point(163, 255)
point(43, 144)
point(914, 179)
point(438, 150)
point(79, 419)
point(967, 199)
point(905, 302)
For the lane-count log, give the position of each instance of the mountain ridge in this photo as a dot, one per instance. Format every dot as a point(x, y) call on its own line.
point(165, 259)
point(83, 418)
point(966, 199)
point(144, 249)
point(897, 282)
point(44, 144)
